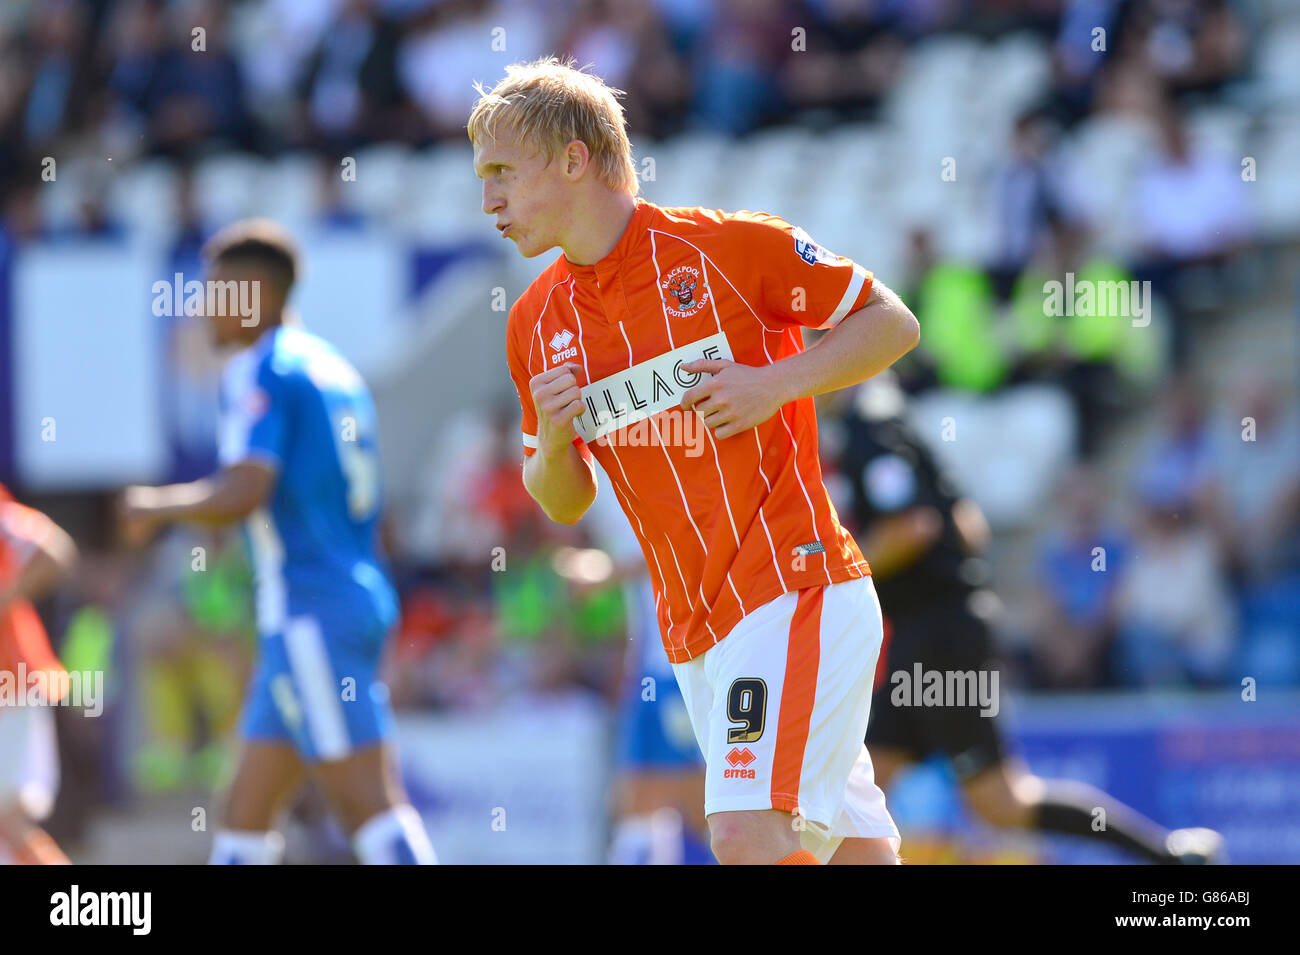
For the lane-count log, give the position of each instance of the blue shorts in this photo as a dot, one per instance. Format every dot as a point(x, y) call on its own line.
point(316, 686)
point(656, 734)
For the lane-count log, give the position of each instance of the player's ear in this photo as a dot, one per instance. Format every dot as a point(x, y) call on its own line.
point(576, 158)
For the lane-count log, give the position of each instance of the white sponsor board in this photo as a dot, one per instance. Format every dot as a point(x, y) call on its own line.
point(526, 784)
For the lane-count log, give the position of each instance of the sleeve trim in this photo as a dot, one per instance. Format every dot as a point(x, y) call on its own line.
point(856, 281)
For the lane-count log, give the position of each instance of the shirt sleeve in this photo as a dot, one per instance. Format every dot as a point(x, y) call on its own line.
point(521, 373)
point(800, 282)
point(254, 416)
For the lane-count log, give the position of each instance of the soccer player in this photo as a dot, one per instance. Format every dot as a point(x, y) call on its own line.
point(652, 322)
point(926, 543)
point(300, 468)
point(35, 554)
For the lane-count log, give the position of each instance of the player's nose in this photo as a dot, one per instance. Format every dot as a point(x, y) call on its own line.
point(492, 201)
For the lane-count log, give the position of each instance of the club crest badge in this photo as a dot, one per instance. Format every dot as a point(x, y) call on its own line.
point(684, 292)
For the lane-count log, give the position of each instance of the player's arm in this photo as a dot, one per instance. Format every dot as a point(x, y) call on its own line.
point(50, 555)
point(861, 346)
point(230, 495)
point(894, 542)
point(799, 284)
point(558, 476)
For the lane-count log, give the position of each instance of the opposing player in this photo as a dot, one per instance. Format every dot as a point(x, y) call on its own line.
point(656, 321)
point(926, 544)
point(301, 470)
point(35, 554)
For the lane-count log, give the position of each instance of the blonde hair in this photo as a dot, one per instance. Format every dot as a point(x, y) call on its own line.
point(550, 104)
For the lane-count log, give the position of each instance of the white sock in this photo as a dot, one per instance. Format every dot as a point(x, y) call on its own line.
point(246, 848)
point(667, 830)
point(395, 836)
point(651, 839)
point(631, 842)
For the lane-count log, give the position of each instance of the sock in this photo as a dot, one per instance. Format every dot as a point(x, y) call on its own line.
point(631, 842)
point(667, 831)
point(1068, 808)
point(802, 857)
point(657, 838)
point(246, 848)
point(395, 836)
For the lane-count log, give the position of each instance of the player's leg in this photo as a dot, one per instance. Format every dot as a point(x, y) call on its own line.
point(22, 842)
point(658, 816)
point(29, 783)
point(755, 837)
point(1007, 794)
point(365, 789)
point(878, 851)
point(268, 770)
point(332, 696)
point(659, 788)
point(792, 690)
point(267, 773)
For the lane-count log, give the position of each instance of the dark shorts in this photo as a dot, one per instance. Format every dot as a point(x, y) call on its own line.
point(949, 639)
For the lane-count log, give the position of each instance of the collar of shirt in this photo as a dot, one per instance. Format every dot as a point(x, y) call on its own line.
point(608, 267)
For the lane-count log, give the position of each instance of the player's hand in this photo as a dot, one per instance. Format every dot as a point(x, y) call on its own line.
point(558, 401)
point(136, 519)
point(735, 398)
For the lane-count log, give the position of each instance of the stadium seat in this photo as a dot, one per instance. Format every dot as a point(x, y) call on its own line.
point(381, 175)
point(226, 186)
point(143, 198)
point(1006, 449)
point(1276, 190)
point(289, 188)
point(1279, 65)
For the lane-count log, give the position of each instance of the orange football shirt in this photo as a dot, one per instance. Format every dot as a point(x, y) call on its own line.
point(725, 525)
point(22, 636)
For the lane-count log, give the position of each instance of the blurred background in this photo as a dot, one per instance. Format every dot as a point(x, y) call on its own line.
point(965, 151)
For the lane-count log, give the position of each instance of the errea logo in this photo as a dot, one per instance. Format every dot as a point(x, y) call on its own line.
point(739, 760)
point(560, 344)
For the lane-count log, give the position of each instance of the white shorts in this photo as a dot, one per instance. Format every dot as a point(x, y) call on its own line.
point(29, 760)
point(780, 709)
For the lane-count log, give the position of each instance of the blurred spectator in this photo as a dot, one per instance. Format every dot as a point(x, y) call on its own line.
point(1253, 503)
point(1025, 197)
point(1081, 562)
point(180, 79)
point(851, 59)
point(351, 90)
point(1176, 614)
point(1191, 210)
point(1176, 462)
point(746, 47)
point(58, 75)
point(446, 48)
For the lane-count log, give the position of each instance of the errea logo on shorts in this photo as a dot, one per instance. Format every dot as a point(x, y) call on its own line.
point(739, 759)
point(560, 345)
